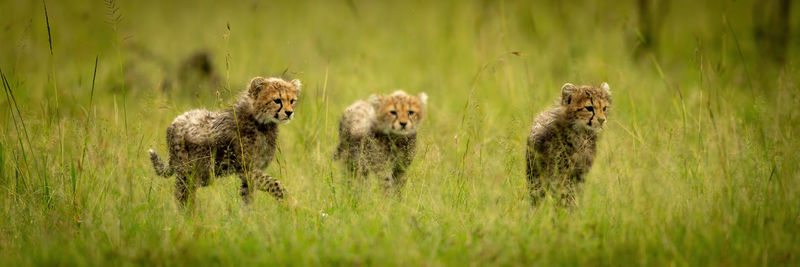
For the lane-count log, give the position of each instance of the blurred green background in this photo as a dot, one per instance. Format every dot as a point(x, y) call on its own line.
point(698, 165)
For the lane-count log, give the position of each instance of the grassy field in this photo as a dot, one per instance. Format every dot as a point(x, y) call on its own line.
point(697, 166)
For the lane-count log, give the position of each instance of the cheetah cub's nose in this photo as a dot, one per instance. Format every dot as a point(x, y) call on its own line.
point(403, 124)
point(601, 120)
point(289, 113)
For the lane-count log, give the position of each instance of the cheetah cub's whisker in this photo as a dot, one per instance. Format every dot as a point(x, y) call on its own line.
point(562, 142)
point(379, 135)
point(240, 140)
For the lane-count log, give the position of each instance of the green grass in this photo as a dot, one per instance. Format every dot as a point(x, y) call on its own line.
point(698, 165)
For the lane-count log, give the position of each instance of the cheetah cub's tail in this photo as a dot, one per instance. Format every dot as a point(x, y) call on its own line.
point(158, 164)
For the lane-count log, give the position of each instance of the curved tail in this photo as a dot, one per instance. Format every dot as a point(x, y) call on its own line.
point(158, 164)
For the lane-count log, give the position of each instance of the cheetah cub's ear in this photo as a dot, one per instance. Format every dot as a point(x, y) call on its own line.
point(423, 98)
point(375, 101)
point(605, 88)
point(567, 90)
point(255, 86)
point(296, 84)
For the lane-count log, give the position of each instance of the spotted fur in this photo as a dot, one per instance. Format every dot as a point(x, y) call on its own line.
point(380, 135)
point(562, 142)
point(240, 140)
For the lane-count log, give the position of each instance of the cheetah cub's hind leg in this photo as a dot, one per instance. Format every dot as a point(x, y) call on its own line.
point(184, 190)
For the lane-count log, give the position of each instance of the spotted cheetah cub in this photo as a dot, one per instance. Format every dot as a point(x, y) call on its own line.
point(562, 141)
point(240, 140)
point(380, 135)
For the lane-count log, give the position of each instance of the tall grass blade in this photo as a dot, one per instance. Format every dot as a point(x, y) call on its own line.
point(47, 21)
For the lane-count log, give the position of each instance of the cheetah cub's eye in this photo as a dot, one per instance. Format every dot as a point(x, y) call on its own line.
point(410, 113)
point(277, 100)
point(393, 112)
point(590, 108)
point(291, 102)
point(605, 108)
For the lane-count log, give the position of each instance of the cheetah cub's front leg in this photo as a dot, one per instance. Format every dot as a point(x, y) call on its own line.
point(262, 182)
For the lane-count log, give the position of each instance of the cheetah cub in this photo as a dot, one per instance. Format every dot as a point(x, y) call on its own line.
point(562, 141)
point(380, 135)
point(240, 140)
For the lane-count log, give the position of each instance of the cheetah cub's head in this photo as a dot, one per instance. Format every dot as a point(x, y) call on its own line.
point(273, 99)
point(399, 113)
point(586, 107)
